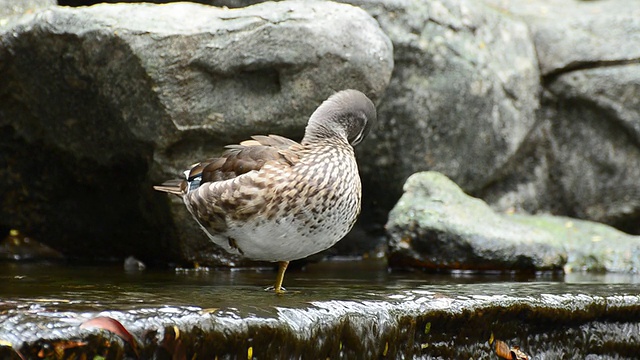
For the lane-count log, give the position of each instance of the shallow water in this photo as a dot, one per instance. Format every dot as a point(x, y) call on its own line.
point(328, 305)
point(100, 287)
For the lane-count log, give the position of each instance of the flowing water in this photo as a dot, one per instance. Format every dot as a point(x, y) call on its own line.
point(350, 309)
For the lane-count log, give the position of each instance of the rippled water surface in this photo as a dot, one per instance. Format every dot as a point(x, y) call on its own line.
point(337, 309)
point(103, 287)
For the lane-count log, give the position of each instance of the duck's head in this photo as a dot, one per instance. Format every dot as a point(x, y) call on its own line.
point(347, 115)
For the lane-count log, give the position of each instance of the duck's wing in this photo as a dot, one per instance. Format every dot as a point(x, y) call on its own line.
point(236, 160)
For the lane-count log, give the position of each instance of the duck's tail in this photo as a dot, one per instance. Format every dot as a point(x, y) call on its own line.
point(177, 187)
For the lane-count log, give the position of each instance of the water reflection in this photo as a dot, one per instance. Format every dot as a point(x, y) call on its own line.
point(608, 278)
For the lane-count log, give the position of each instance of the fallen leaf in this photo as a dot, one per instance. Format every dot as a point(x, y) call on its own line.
point(504, 351)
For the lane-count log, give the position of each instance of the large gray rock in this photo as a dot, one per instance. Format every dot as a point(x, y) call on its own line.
point(436, 226)
point(597, 143)
point(100, 102)
point(461, 100)
point(582, 159)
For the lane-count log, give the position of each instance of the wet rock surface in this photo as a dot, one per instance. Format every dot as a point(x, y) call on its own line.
point(337, 310)
point(436, 226)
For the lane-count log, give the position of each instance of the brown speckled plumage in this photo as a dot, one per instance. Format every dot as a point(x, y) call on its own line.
point(273, 199)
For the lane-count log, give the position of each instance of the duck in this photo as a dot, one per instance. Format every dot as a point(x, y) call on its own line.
point(273, 199)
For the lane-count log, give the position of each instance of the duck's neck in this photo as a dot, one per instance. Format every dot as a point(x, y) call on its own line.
point(316, 133)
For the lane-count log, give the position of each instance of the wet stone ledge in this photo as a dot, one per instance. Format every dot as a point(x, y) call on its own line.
point(391, 316)
point(416, 323)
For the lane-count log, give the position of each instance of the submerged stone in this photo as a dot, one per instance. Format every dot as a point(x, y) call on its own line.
point(582, 156)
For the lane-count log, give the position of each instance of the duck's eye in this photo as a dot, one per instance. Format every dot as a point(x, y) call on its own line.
point(359, 128)
point(358, 138)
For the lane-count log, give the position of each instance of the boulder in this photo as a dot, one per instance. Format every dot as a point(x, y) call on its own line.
point(582, 158)
point(436, 226)
point(462, 98)
point(596, 137)
point(99, 103)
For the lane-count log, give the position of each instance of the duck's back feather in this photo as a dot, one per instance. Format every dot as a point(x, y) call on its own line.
point(238, 159)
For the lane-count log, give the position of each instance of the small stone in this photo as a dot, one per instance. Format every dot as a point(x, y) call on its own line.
point(133, 264)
